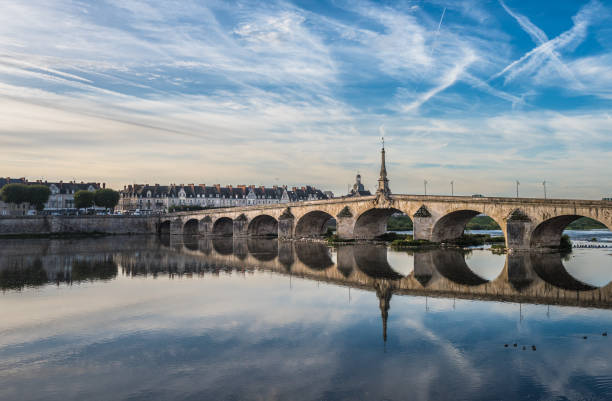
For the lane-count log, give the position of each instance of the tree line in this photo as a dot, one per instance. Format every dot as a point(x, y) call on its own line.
point(38, 195)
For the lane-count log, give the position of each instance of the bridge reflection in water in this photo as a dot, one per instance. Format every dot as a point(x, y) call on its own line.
point(525, 278)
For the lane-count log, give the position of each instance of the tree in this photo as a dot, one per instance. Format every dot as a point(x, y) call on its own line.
point(35, 195)
point(107, 198)
point(15, 193)
point(38, 195)
point(83, 199)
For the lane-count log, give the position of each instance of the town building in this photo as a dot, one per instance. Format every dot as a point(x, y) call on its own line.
point(358, 188)
point(160, 198)
point(60, 200)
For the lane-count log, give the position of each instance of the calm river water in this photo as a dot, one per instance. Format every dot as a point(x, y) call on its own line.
point(146, 318)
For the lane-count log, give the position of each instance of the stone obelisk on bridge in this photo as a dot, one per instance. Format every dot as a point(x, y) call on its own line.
point(383, 182)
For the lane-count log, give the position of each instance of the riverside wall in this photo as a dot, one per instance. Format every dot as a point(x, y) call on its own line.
point(40, 225)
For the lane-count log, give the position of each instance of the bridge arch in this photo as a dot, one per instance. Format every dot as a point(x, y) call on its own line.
point(373, 222)
point(191, 227)
point(548, 233)
point(223, 226)
point(452, 225)
point(164, 227)
point(263, 225)
point(312, 224)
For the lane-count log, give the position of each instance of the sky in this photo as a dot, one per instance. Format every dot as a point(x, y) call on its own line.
point(481, 93)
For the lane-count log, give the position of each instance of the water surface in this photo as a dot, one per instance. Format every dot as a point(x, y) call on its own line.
point(141, 318)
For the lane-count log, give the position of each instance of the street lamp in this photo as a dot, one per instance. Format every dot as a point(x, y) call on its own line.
point(452, 188)
point(544, 185)
point(425, 185)
point(517, 187)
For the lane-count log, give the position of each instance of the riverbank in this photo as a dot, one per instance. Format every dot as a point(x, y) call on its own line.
point(50, 226)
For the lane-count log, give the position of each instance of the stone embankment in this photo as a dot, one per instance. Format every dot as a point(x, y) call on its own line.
point(51, 225)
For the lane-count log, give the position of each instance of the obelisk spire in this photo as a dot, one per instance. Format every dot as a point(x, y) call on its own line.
point(384, 293)
point(383, 182)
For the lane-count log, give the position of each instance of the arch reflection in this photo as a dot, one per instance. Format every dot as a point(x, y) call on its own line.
point(315, 255)
point(372, 260)
point(526, 277)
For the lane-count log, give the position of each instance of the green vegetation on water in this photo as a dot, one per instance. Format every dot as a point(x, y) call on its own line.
point(476, 240)
point(566, 243)
point(334, 239)
point(410, 242)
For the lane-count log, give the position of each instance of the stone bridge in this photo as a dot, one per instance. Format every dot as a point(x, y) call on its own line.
point(526, 222)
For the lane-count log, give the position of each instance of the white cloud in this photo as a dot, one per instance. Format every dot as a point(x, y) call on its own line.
point(251, 92)
point(547, 49)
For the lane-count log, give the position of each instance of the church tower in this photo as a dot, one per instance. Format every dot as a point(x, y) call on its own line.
point(383, 182)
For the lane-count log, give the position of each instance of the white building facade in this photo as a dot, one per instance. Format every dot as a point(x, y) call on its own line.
point(162, 198)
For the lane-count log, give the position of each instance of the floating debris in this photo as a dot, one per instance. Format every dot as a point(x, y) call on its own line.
point(514, 345)
point(605, 334)
point(506, 345)
point(533, 347)
point(585, 337)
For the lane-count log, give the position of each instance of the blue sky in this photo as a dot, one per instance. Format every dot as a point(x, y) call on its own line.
point(478, 92)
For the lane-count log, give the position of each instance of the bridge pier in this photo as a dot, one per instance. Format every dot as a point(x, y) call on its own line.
point(345, 224)
point(518, 231)
point(286, 225)
point(206, 226)
point(176, 227)
point(240, 226)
